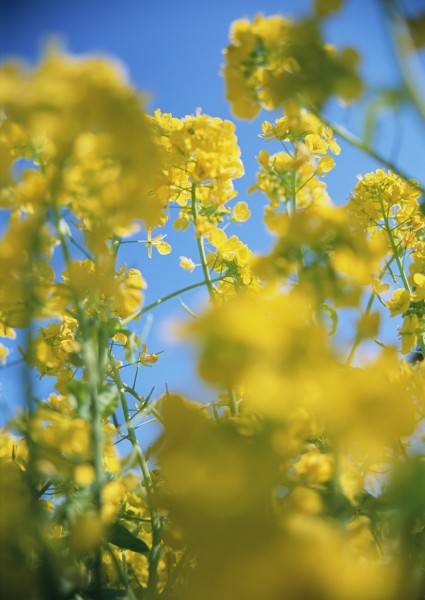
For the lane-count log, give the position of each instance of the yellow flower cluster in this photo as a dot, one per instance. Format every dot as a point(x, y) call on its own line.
point(293, 174)
point(26, 277)
point(384, 196)
point(272, 59)
point(101, 164)
point(231, 256)
point(386, 205)
point(297, 480)
point(53, 345)
point(5, 332)
point(64, 457)
point(103, 290)
point(202, 151)
point(336, 263)
point(210, 496)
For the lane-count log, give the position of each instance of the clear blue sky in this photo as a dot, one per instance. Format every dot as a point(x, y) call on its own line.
point(173, 51)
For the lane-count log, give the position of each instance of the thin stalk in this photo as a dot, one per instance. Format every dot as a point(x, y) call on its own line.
point(399, 264)
point(394, 247)
point(91, 370)
point(155, 552)
point(358, 339)
point(367, 310)
point(407, 58)
point(149, 307)
point(94, 377)
point(81, 249)
point(233, 405)
point(300, 259)
point(201, 247)
point(174, 576)
point(361, 145)
point(294, 191)
point(122, 574)
point(149, 409)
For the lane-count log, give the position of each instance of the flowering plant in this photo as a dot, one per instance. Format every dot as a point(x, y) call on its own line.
point(304, 478)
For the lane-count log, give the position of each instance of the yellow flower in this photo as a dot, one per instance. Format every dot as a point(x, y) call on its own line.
point(399, 302)
point(147, 359)
point(111, 161)
point(408, 333)
point(187, 263)
point(315, 143)
point(84, 475)
point(199, 150)
point(383, 193)
point(241, 212)
point(127, 296)
point(315, 467)
point(325, 164)
point(419, 283)
point(158, 243)
point(3, 353)
point(269, 61)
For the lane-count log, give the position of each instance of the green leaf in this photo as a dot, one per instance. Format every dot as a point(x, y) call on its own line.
point(124, 539)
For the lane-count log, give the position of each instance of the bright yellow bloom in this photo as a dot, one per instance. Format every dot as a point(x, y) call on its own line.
point(147, 359)
point(241, 212)
point(199, 150)
point(273, 59)
point(382, 193)
point(101, 287)
point(3, 353)
point(419, 283)
point(315, 467)
point(158, 243)
point(187, 263)
point(84, 475)
point(409, 332)
point(399, 302)
point(110, 160)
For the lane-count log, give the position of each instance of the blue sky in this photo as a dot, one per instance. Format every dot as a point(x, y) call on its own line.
point(173, 52)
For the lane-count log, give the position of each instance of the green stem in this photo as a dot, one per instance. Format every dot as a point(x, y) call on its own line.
point(149, 307)
point(300, 259)
point(145, 407)
point(406, 55)
point(233, 405)
point(201, 247)
point(91, 356)
point(399, 264)
point(367, 310)
point(358, 339)
point(358, 143)
point(294, 191)
point(393, 246)
point(92, 371)
point(155, 552)
point(176, 575)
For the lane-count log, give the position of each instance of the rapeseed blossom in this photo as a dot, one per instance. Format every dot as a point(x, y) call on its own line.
point(304, 476)
point(273, 59)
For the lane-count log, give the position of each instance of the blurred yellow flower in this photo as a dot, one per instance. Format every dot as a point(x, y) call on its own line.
point(187, 263)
